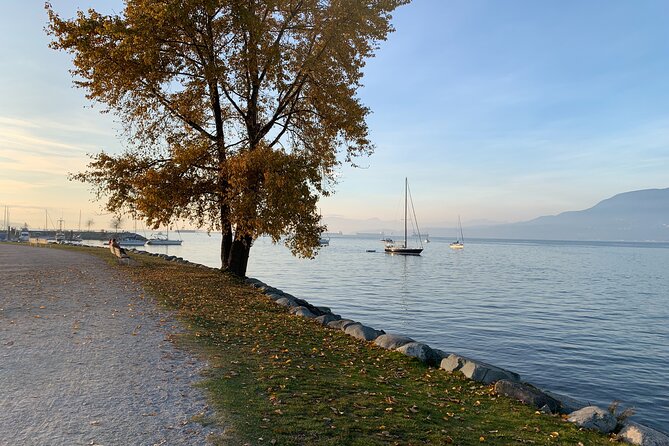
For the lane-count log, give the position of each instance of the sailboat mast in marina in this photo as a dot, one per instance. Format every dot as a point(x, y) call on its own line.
point(392, 247)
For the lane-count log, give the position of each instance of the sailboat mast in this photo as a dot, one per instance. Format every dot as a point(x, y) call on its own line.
point(406, 189)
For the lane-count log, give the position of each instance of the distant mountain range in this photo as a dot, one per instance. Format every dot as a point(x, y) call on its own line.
point(641, 215)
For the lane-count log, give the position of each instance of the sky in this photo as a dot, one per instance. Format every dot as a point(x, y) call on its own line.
point(495, 110)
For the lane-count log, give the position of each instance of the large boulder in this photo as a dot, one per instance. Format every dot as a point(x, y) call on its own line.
point(275, 296)
point(527, 394)
point(477, 370)
point(420, 351)
point(256, 283)
point(642, 435)
point(340, 324)
point(439, 356)
point(359, 331)
point(567, 404)
point(303, 312)
point(270, 289)
point(307, 305)
point(327, 317)
point(593, 417)
point(287, 302)
point(392, 341)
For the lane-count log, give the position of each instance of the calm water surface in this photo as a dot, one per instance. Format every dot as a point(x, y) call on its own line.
point(589, 320)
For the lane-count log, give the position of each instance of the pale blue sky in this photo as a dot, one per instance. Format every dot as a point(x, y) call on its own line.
point(497, 110)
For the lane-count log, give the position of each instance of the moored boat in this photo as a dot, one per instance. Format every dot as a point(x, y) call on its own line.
point(403, 248)
point(458, 244)
point(162, 239)
point(132, 240)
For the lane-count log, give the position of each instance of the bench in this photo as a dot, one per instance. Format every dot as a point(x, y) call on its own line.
point(122, 256)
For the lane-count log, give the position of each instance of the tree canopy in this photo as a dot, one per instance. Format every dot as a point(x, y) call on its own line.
point(236, 111)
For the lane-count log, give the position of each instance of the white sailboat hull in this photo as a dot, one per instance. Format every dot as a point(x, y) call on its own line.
point(459, 244)
point(163, 242)
point(132, 242)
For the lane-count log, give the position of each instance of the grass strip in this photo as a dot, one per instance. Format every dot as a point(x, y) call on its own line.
point(280, 379)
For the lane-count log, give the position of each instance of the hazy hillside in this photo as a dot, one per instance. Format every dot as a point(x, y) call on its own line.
point(633, 216)
point(641, 215)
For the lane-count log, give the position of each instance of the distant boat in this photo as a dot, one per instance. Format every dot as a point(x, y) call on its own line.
point(424, 237)
point(458, 244)
point(25, 235)
point(403, 248)
point(386, 239)
point(324, 241)
point(162, 239)
point(58, 237)
point(133, 240)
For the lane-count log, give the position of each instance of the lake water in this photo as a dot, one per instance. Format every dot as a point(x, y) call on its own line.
point(588, 320)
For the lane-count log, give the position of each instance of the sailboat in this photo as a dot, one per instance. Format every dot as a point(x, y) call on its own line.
point(59, 236)
point(134, 239)
point(459, 244)
point(403, 248)
point(162, 239)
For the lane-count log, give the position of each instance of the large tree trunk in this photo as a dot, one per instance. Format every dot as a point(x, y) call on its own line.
point(226, 237)
point(226, 247)
point(239, 255)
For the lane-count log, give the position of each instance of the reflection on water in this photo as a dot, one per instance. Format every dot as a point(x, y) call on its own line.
point(404, 293)
point(585, 319)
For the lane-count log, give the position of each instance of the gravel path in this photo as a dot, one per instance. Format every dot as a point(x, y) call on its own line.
point(85, 360)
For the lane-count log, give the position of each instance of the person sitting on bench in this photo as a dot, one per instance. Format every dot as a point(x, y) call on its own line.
point(114, 244)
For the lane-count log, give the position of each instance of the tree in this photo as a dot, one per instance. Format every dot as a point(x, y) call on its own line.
point(90, 222)
point(116, 223)
point(237, 111)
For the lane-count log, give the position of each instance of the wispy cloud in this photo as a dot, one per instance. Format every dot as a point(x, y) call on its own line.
point(6, 121)
point(16, 185)
point(20, 140)
point(37, 154)
point(32, 155)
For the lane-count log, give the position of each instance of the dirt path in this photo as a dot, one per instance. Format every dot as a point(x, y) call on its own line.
point(84, 360)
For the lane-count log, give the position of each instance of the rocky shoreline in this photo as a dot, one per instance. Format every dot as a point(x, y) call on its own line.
point(507, 383)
